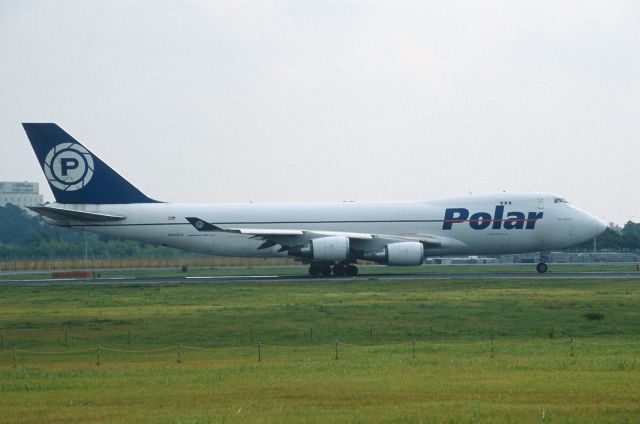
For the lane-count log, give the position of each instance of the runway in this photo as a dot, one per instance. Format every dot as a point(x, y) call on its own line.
point(218, 279)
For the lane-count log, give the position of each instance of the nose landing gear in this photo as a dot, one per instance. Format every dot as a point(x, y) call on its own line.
point(542, 264)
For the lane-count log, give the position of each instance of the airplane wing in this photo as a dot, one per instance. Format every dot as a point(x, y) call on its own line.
point(289, 238)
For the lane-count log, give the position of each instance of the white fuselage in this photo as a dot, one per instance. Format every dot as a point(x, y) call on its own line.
point(493, 224)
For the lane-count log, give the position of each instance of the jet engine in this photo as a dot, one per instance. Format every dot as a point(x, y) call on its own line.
point(324, 249)
point(403, 253)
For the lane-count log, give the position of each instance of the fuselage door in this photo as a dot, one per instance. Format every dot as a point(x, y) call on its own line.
point(540, 203)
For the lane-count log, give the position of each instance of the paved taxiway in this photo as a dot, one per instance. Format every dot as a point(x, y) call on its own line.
point(309, 279)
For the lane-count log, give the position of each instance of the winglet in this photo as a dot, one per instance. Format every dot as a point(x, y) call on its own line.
point(202, 225)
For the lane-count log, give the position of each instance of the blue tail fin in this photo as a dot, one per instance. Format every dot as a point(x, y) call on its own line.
point(75, 174)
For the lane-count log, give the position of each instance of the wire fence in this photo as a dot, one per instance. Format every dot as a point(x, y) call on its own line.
point(259, 351)
point(302, 336)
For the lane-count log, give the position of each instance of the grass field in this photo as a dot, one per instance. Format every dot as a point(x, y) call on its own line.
point(531, 376)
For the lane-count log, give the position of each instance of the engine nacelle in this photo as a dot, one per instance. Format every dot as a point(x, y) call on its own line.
point(324, 249)
point(405, 253)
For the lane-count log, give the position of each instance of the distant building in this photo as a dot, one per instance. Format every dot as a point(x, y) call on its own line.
point(614, 227)
point(20, 193)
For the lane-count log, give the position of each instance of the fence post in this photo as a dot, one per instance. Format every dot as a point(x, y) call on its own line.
point(311, 332)
point(337, 343)
point(15, 354)
point(493, 348)
point(259, 351)
point(179, 353)
point(66, 337)
point(413, 342)
point(571, 351)
point(98, 356)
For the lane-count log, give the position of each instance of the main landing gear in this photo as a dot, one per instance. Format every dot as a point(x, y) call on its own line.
point(338, 269)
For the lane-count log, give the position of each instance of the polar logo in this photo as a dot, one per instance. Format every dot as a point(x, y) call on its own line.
point(515, 220)
point(68, 166)
point(199, 225)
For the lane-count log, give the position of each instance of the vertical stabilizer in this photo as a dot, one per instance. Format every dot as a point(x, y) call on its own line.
point(76, 175)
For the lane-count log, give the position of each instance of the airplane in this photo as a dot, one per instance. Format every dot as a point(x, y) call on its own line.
point(329, 236)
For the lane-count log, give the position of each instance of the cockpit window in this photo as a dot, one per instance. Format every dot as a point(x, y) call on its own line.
point(560, 200)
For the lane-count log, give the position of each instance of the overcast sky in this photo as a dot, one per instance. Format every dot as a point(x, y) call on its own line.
point(333, 100)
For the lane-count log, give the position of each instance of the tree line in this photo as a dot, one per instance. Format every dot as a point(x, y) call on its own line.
point(23, 235)
point(627, 238)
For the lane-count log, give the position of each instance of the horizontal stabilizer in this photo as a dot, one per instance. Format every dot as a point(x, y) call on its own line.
point(61, 214)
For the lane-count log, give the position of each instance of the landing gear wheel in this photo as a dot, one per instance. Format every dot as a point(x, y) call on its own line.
point(339, 270)
point(325, 270)
point(314, 270)
point(352, 270)
point(541, 267)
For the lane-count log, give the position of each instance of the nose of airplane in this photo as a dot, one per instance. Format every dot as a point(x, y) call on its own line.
point(601, 226)
point(592, 225)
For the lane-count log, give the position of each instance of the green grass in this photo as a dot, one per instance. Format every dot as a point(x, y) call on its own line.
point(453, 378)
